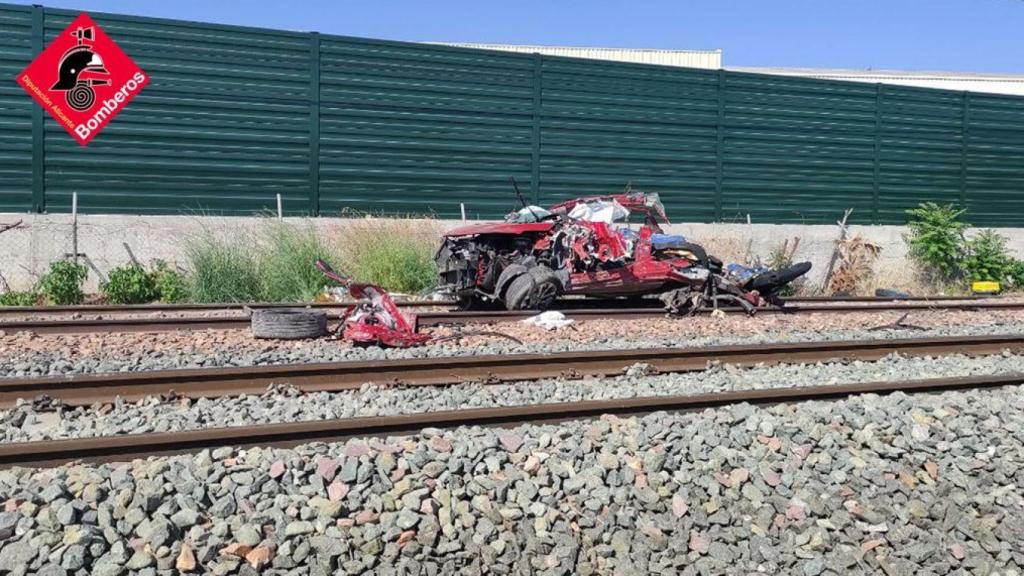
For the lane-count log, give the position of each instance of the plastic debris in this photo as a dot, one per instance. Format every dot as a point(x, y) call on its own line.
point(550, 320)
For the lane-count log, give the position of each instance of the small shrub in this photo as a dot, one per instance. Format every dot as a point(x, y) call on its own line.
point(394, 253)
point(171, 285)
point(62, 285)
point(286, 262)
point(1015, 274)
point(19, 299)
point(130, 284)
point(987, 258)
point(936, 239)
point(223, 269)
point(782, 257)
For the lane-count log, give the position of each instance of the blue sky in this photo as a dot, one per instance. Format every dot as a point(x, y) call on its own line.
point(956, 35)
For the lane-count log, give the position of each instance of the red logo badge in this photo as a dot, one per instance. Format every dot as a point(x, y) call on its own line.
point(83, 79)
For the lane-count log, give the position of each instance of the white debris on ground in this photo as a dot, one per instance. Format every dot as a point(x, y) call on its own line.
point(550, 320)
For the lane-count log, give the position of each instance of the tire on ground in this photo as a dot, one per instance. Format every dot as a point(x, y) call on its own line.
point(519, 295)
point(288, 323)
point(894, 294)
point(546, 287)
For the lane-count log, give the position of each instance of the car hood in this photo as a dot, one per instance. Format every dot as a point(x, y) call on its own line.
point(500, 228)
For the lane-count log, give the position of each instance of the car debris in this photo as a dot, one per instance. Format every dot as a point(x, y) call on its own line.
point(374, 319)
point(586, 247)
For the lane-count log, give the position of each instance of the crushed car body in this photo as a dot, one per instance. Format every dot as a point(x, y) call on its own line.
point(586, 247)
point(375, 318)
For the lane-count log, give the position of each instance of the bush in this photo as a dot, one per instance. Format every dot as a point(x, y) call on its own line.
point(936, 239)
point(781, 257)
point(286, 262)
point(130, 284)
point(987, 258)
point(1015, 274)
point(396, 254)
point(19, 299)
point(222, 269)
point(170, 284)
point(62, 285)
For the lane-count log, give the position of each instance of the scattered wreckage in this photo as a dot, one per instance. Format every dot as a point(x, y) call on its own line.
point(586, 247)
point(582, 247)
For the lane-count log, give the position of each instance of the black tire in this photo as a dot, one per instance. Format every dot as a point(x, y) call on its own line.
point(288, 323)
point(770, 283)
point(888, 293)
point(546, 288)
point(506, 278)
point(519, 295)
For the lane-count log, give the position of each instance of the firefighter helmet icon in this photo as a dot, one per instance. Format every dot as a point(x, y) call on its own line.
point(79, 70)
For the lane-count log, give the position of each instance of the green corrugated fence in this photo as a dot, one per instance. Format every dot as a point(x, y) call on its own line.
point(234, 116)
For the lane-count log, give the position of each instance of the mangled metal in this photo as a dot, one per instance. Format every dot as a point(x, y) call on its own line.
point(585, 247)
point(375, 318)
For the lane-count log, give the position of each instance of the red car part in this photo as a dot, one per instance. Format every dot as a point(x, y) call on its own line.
point(375, 319)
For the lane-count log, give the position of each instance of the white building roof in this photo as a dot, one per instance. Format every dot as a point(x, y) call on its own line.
point(686, 58)
point(712, 59)
point(969, 81)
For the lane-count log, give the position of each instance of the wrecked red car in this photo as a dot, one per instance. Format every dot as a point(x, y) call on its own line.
point(587, 247)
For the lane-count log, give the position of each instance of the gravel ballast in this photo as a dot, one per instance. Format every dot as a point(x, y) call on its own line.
point(25, 354)
point(922, 485)
point(282, 404)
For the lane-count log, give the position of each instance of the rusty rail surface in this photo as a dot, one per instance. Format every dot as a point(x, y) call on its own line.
point(133, 446)
point(87, 389)
point(579, 311)
point(413, 304)
point(424, 319)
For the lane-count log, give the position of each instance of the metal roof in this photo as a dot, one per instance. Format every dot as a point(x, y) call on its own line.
point(711, 59)
point(992, 83)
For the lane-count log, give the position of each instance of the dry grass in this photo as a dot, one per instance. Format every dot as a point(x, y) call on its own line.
point(396, 253)
point(729, 249)
point(854, 266)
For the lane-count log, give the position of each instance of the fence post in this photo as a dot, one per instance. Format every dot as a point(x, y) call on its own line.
point(535, 153)
point(875, 181)
point(38, 133)
point(719, 146)
point(314, 124)
point(965, 121)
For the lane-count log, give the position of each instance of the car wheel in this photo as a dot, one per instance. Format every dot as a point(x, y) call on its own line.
point(546, 288)
point(288, 323)
point(506, 278)
point(519, 295)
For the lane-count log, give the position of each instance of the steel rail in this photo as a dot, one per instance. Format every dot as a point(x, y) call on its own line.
point(427, 319)
point(567, 303)
point(424, 319)
point(87, 389)
point(161, 307)
point(133, 446)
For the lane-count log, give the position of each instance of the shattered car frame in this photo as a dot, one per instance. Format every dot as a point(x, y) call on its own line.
point(575, 248)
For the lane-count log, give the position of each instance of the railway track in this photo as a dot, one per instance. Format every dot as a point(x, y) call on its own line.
point(214, 382)
point(8, 311)
point(132, 446)
point(581, 311)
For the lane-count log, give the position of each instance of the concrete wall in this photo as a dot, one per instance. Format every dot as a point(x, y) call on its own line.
point(26, 251)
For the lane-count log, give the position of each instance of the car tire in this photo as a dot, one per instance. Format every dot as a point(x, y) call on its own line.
point(894, 294)
point(519, 295)
point(546, 288)
point(288, 323)
point(507, 277)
